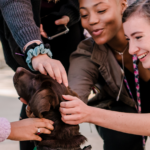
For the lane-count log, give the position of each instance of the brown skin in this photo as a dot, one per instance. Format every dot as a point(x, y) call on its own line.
point(106, 15)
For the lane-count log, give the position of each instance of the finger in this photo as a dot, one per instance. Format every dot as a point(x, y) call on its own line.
point(43, 33)
point(57, 74)
point(64, 76)
point(69, 97)
point(63, 21)
point(45, 125)
point(41, 69)
point(49, 70)
point(36, 138)
point(29, 114)
point(71, 122)
point(41, 28)
point(28, 111)
point(47, 120)
point(68, 111)
point(44, 131)
point(69, 104)
point(74, 117)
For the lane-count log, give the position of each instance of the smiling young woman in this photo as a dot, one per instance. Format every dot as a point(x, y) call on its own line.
point(137, 30)
point(105, 59)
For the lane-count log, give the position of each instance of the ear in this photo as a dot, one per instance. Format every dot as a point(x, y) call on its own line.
point(72, 93)
point(40, 103)
point(124, 6)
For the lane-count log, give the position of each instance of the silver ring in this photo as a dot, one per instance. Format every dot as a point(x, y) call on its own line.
point(38, 131)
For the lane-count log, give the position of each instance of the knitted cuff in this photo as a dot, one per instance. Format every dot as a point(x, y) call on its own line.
point(34, 50)
point(5, 129)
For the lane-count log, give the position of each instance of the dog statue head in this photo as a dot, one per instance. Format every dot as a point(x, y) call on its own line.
point(43, 94)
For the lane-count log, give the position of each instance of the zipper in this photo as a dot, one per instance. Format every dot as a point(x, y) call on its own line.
point(118, 96)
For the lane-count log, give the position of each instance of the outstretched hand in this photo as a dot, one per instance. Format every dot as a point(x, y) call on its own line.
point(26, 129)
point(54, 68)
point(63, 21)
point(74, 111)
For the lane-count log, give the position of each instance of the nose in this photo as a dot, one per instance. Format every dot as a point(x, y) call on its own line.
point(94, 19)
point(19, 69)
point(133, 49)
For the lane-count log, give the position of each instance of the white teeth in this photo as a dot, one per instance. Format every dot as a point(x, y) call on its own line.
point(142, 56)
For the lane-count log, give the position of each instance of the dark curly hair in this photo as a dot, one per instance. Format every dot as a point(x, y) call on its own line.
point(139, 6)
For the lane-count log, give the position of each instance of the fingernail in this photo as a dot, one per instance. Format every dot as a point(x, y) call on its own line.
point(59, 81)
point(66, 84)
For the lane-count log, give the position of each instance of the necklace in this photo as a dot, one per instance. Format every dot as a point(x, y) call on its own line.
point(121, 54)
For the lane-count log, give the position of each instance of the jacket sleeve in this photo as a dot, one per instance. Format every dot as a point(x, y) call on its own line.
point(83, 73)
point(71, 9)
point(19, 18)
point(5, 129)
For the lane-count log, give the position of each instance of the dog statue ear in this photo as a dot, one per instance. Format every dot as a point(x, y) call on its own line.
point(40, 103)
point(72, 92)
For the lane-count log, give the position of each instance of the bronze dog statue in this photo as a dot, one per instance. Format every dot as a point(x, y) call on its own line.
point(43, 95)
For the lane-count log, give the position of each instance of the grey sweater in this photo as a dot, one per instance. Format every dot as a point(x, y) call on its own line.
point(23, 18)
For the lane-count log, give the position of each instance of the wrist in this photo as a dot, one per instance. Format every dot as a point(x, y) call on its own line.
point(11, 135)
point(90, 113)
point(38, 42)
point(34, 51)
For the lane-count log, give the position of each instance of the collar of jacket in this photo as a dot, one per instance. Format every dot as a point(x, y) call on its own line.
point(111, 72)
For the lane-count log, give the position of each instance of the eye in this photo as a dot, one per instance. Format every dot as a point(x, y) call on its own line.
point(84, 16)
point(101, 11)
point(138, 37)
point(127, 39)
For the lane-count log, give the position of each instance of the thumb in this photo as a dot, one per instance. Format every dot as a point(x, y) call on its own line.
point(37, 138)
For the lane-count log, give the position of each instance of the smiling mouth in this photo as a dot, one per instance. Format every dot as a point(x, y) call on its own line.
point(143, 55)
point(97, 32)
